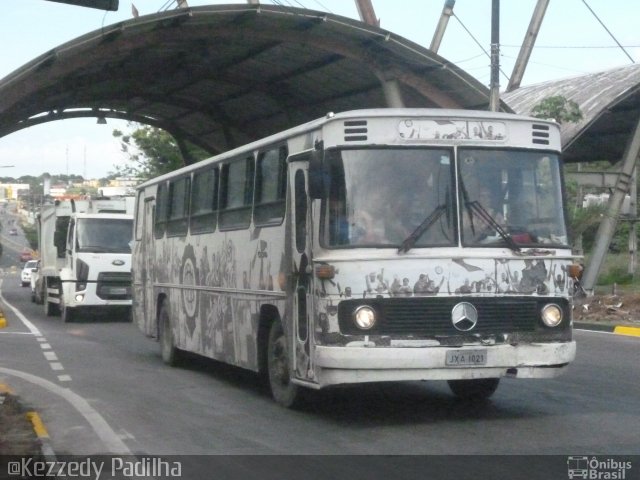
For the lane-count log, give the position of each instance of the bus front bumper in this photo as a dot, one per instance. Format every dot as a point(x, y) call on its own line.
point(360, 364)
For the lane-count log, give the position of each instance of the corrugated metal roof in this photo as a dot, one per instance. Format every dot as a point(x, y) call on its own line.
point(610, 104)
point(221, 76)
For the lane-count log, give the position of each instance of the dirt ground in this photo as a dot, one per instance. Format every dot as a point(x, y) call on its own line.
point(16, 432)
point(621, 309)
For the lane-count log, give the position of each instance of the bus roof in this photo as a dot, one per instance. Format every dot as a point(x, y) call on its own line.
point(351, 114)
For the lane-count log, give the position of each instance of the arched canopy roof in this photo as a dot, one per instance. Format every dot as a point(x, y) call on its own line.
point(220, 76)
point(610, 105)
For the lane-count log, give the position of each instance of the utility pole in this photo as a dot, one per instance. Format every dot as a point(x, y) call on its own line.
point(633, 214)
point(608, 224)
point(494, 97)
point(447, 11)
point(527, 45)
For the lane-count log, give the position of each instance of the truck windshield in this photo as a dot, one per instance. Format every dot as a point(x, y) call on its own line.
point(107, 235)
point(382, 197)
point(510, 198)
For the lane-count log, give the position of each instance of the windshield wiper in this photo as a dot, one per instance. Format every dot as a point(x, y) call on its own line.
point(475, 207)
point(478, 209)
point(411, 240)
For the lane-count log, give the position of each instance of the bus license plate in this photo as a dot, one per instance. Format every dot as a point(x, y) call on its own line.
point(466, 358)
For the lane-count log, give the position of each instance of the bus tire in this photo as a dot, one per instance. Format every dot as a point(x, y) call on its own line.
point(283, 390)
point(168, 351)
point(476, 389)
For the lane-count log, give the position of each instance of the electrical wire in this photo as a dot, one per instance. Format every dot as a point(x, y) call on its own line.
point(608, 31)
point(477, 42)
point(586, 47)
point(322, 6)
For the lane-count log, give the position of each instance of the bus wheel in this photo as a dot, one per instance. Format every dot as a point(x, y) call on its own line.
point(168, 350)
point(283, 390)
point(477, 389)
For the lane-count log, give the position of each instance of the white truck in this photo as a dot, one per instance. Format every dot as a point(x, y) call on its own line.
point(85, 258)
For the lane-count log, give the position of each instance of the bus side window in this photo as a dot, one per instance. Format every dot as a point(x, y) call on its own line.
point(139, 219)
point(162, 209)
point(204, 201)
point(236, 194)
point(271, 187)
point(178, 206)
point(301, 212)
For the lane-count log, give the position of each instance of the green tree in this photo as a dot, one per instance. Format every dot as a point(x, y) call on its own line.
point(152, 152)
point(558, 108)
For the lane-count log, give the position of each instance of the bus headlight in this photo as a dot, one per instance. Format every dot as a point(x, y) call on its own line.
point(551, 315)
point(364, 317)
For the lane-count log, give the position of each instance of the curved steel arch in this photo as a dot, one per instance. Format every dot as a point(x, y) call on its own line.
point(220, 76)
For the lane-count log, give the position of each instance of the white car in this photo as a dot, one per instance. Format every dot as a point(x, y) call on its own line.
point(25, 276)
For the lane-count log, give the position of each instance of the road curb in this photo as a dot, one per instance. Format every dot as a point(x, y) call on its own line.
point(42, 434)
point(616, 329)
point(36, 423)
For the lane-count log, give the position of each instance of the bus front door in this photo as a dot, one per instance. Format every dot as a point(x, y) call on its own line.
point(147, 276)
point(302, 307)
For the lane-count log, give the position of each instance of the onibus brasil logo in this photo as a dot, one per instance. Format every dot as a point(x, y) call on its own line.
point(593, 468)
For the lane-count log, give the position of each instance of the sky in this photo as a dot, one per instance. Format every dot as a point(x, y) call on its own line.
point(571, 42)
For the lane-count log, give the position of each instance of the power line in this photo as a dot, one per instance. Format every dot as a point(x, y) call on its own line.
point(322, 6)
point(585, 47)
point(605, 27)
point(477, 42)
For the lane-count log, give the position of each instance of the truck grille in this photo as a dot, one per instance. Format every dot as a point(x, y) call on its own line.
point(432, 316)
point(114, 286)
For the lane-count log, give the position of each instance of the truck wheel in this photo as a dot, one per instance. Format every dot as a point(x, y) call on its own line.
point(283, 390)
point(67, 314)
point(168, 350)
point(476, 389)
point(49, 308)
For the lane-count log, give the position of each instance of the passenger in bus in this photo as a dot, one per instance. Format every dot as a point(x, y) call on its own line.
point(366, 229)
point(477, 228)
point(488, 203)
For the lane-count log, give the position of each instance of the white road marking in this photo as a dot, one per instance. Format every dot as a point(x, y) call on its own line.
point(51, 356)
point(107, 435)
point(32, 328)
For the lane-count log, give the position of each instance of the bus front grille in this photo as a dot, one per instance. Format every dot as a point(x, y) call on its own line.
point(114, 286)
point(432, 316)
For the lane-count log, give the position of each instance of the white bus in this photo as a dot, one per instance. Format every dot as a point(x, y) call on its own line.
point(371, 245)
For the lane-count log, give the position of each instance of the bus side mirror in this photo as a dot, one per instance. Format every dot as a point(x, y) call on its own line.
point(318, 174)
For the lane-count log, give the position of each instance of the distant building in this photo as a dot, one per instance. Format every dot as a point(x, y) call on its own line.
point(10, 191)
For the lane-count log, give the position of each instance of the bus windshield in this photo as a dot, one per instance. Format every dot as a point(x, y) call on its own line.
point(379, 197)
point(405, 198)
point(510, 197)
point(104, 235)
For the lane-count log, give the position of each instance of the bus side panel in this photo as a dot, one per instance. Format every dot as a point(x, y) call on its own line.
point(217, 284)
point(143, 307)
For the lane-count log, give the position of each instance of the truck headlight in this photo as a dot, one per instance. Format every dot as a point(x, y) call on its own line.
point(364, 317)
point(551, 315)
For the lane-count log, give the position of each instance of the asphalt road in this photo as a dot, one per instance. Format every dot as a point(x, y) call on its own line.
point(100, 387)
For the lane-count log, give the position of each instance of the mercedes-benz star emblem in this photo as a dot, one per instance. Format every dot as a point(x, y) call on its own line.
point(464, 316)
